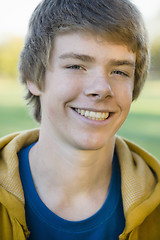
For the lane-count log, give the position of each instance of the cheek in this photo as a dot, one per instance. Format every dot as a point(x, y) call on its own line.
point(124, 95)
point(130, 91)
point(61, 91)
point(67, 89)
point(68, 92)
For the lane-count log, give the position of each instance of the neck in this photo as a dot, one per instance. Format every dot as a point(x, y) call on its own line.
point(72, 183)
point(59, 167)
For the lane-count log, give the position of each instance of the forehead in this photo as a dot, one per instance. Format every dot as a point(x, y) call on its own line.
point(96, 47)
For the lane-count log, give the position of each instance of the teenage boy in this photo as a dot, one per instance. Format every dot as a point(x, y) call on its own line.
point(83, 64)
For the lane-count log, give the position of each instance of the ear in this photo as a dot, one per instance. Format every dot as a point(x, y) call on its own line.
point(33, 88)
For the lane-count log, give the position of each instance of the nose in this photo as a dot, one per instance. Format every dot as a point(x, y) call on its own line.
point(99, 88)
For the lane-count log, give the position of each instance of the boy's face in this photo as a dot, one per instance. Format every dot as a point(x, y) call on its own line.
point(88, 90)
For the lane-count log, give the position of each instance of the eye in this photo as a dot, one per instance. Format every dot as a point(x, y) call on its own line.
point(118, 72)
point(76, 67)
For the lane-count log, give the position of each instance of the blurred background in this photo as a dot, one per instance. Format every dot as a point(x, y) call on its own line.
point(143, 123)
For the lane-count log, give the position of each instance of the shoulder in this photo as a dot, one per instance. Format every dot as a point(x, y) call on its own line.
point(18, 140)
point(130, 150)
point(9, 163)
point(140, 176)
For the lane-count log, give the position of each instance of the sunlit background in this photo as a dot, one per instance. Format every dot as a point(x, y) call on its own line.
point(143, 123)
point(14, 15)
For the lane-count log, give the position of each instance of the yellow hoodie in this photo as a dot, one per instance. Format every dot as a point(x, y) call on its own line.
point(140, 174)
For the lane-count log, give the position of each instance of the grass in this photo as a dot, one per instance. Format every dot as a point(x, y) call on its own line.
point(143, 129)
point(142, 125)
point(14, 114)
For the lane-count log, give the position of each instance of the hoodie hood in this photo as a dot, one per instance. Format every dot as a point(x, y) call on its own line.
point(140, 176)
point(11, 192)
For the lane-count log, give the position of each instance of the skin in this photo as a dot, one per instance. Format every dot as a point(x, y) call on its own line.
point(71, 163)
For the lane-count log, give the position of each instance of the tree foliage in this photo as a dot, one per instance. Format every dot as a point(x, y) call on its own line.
point(9, 55)
point(155, 57)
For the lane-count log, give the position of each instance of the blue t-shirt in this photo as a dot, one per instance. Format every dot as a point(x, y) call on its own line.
point(107, 224)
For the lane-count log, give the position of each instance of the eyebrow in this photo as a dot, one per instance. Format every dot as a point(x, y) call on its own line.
point(115, 62)
point(87, 58)
point(82, 57)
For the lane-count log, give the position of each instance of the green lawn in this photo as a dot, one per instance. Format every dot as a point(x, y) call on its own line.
point(142, 125)
point(14, 114)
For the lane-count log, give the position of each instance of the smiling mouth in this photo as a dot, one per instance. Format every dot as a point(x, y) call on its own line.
point(98, 116)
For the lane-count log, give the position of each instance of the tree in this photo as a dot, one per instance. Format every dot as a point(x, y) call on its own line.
point(155, 58)
point(9, 55)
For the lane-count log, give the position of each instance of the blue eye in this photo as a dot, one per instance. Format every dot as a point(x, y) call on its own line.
point(118, 72)
point(75, 67)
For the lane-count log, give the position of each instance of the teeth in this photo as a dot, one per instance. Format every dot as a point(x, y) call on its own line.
point(93, 115)
point(87, 114)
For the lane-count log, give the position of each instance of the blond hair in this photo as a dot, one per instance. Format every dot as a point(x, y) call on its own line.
point(119, 20)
